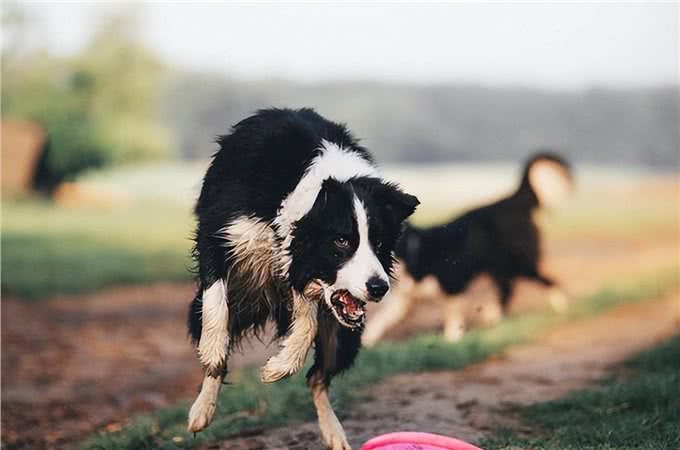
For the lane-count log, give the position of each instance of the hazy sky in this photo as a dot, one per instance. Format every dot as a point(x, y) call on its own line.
point(561, 45)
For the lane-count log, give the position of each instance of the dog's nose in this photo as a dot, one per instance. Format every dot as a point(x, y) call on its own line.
point(377, 288)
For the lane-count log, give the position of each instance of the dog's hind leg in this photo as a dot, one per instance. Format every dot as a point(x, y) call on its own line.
point(212, 352)
point(335, 350)
point(505, 288)
point(556, 296)
point(454, 318)
point(558, 299)
point(296, 344)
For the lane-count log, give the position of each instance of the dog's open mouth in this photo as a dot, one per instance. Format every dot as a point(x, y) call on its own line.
point(348, 309)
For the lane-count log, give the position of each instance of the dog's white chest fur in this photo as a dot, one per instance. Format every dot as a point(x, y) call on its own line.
point(333, 162)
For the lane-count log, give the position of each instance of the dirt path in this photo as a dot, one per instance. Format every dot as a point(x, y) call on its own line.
point(71, 366)
point(74, 365)
point(469, 402)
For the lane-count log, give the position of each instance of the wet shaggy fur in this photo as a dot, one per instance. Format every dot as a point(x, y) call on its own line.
point(257, 165)
point(291, 209)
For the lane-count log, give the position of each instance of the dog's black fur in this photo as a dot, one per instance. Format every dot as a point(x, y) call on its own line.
point(259, 163)
point(500, 239)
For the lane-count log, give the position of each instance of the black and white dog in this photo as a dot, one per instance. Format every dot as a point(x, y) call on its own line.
point(294, 226)
point(500, 240)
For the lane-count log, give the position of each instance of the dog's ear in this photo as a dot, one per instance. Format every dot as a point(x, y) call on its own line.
point(329, 210)
point(329, 200)
point(397, 204)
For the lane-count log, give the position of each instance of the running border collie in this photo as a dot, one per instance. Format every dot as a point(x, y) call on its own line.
point(295, 226)
point(500, 239)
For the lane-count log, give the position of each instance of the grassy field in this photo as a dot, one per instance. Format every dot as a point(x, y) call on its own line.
point(630, 411)
point(48, 249)
point(247, 403)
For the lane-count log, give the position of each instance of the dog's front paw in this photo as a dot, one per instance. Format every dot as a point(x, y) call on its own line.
point(201, 414)
point(203, 409)
point(337, 442)
point(277, 369)
point(333, 435)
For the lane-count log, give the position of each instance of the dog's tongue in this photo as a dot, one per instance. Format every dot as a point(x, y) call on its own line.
point(351, 305)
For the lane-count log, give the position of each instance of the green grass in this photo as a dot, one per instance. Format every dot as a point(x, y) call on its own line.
point(247, 403)
point(639, 411)
point(48, 250)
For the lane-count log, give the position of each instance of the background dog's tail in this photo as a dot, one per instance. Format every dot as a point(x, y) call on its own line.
point(549, 177)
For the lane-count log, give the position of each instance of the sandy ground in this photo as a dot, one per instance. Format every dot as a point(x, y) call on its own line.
point(74, 365)
point(470, 402)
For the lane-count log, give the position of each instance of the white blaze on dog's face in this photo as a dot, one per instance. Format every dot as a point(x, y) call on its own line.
point(550, 181)
point(362, 276)
point(343, 245)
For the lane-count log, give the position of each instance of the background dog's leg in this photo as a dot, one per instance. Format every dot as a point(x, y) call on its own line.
point(454, 318)
point(395, 309)
point(203, 409)
point(332, 433)
point(556, 296)
point(558, 299)
point(505, 288)
point(212, 352)
point(296, 345)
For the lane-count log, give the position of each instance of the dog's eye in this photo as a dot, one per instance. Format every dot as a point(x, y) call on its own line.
point(341, 242)
point(378, 245)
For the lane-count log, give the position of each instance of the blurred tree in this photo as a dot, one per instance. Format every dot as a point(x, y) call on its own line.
point(99, 107)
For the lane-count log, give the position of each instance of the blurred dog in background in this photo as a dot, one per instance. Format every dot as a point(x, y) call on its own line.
point(500, 240)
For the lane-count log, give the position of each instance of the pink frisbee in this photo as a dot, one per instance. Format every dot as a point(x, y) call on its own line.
point(416, 441)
